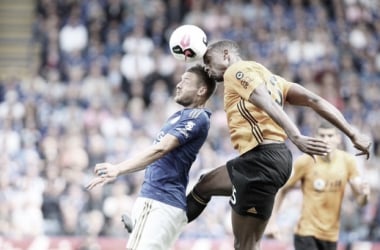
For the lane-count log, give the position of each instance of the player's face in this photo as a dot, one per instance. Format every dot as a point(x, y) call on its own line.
point(216, 64)
point(187, 89)
point(330, 136)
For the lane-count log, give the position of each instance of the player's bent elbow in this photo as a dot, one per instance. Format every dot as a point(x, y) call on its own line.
point(160, 151)
point(314, 101)
point(317, 103)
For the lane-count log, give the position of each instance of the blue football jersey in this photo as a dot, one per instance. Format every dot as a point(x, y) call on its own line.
point(166, 179)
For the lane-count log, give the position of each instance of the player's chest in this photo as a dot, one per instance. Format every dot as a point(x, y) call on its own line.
point(327, 178)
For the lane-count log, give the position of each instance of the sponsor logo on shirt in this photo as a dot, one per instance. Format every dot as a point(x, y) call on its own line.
point(188, 127)
point(245, 82)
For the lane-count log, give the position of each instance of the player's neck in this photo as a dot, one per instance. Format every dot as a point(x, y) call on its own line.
point(329, 157)
point(196, 106)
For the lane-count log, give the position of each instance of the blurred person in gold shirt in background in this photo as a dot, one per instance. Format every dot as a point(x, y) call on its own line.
point(323, 183)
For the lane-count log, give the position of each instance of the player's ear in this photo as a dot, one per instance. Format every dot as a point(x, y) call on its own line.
point(202, 90)
point(226, 56)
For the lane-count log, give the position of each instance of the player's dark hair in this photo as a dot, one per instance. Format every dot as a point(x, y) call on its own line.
point(220, 46)
point(204, 78)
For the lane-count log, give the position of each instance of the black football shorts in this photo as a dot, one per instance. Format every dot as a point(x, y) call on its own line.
point(256, 177)
point(312, 243)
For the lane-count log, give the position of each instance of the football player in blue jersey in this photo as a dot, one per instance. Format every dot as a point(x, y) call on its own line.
point(159, 213)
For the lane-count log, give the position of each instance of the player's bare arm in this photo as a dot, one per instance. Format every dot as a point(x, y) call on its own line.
point(361, 190)
point(292, 184)
point(298, 95)
point(107, 172)
point(272, 230)
point(260, 98)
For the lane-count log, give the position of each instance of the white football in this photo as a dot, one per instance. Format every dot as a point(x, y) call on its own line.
point(188, 43)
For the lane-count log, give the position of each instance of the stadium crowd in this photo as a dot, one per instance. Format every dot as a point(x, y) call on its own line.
point(103, 87)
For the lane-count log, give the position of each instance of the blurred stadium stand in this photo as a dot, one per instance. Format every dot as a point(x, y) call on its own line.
point(17, 52)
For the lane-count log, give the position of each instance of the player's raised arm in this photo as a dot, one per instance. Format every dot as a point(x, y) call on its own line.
point(107, 172)
point(309, 145)
point(298, 95)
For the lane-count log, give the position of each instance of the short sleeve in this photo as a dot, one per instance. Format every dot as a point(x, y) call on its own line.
point(299, 170)
point(189, 127)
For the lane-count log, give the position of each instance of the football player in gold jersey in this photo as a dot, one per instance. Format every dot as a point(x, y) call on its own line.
point(258, 126)
point(323, 183)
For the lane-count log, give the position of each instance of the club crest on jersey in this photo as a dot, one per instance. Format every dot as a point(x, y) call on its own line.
point(319, 184)
point(239, 75)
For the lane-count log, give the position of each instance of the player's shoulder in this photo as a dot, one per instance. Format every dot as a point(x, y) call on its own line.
point(344, 155)
point(242, 66)
point(240, 70)
point(196, 113)
point(304, 160)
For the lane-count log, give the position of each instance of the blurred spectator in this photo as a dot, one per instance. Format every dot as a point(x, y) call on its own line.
point(115, 204)
point(95, 85)
point(73, 35)
point(137, 62)
point(12, 108)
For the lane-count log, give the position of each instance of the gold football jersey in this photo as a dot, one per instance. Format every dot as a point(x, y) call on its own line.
point(248, 124)
point(323, 185)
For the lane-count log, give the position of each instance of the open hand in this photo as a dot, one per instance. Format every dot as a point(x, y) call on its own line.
point(311, 146)
point(99, 181)
point(106, 172)
point(361, 143)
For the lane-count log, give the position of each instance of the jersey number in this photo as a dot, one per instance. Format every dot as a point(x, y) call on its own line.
point(275, 91)
point(233, 196)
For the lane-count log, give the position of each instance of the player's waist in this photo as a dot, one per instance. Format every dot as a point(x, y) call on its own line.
point(171, 196)
point(247, 144)
point(269, 141)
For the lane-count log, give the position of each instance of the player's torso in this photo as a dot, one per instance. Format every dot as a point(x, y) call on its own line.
point(327, 177)
point(248, 124)
point(323, 188)
point(166, 179)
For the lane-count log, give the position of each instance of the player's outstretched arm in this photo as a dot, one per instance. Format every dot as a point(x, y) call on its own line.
point(100, 179)
point(107, 172)
point(298, 95)
point(309, 145)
